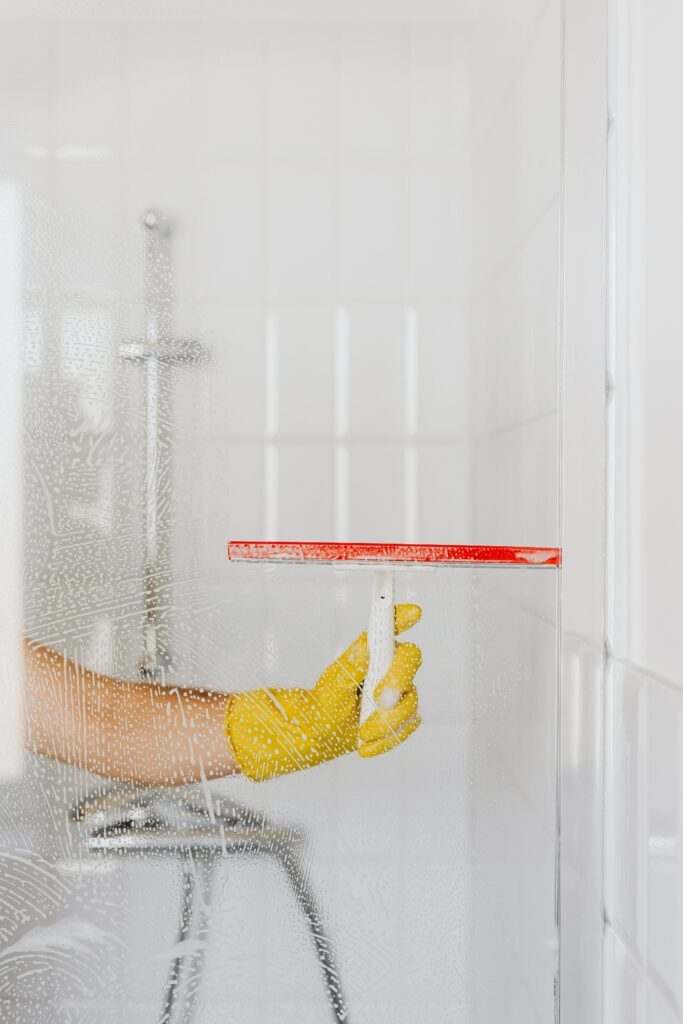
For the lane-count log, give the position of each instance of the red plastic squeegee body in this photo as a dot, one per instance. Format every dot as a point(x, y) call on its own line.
point(391, 554)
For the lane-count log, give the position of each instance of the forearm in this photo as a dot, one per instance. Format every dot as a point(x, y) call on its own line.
point(140, 732)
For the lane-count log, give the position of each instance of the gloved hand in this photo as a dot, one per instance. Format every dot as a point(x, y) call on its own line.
point(274, 731)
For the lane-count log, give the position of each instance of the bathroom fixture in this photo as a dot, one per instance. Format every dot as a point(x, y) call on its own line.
point(384, 559)
point(171, 824)
point(158, 351)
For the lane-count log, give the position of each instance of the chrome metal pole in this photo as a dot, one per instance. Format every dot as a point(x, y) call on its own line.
point(158, 351)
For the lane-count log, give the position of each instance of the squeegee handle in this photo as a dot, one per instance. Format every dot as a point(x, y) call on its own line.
point(380, 639)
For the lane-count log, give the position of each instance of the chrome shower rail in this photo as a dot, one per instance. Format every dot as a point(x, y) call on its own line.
point(158, 352)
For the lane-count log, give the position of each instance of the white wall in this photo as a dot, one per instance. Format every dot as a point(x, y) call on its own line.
point(644, 794)
point(515, 423)
point(582, 508)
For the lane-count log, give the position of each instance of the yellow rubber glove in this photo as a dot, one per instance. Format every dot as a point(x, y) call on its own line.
point(274, 731)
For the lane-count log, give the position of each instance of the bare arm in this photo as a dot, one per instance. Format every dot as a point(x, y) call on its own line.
point(141, 732)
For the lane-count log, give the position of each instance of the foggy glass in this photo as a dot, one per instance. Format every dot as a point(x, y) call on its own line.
point(167, 407)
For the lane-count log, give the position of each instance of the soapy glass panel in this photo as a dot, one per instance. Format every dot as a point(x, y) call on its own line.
point(234, 241)
point(372, 891)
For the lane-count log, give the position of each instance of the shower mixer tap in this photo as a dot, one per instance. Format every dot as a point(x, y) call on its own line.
point(158, 351)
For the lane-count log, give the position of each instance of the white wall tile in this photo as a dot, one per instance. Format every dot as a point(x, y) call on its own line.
point(301, 231)
point(234, 476)
point(305, 496)
point(440, 97)
point(160, 90)
point(665, 835)
point(444, 495)
point(372, 92)
point(517, 169)
point(306, 371)
point(515, 317)
point(499, 45)
point(651, 362)
point(235, 336)
point(231, 231)
point(516, 471)
point(303, 67)
point(376, 371)
point(231, 96)
point(376, 490)
point(370, 231)
point(623, 984)
point(26, 86)
point(88, 201)
point(625, 843)
point(438, 250)
point(444, 371)
point(659, 1008)
point(88, 90)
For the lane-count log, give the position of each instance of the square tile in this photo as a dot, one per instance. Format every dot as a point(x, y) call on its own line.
point(88, 200)
point(302, 90)
point(371, 231)
point(444, 493)
point(89, 96)
point(27, 86)
point(623, 984)
point(625, 849)
point(306, 371)
point(231, 98)
point(375, 488)
point(372, 92)
point(231, 231)
point(443, 343)
point(438, 232)
point(440, 94)
point(665, 834)
point(659, 1008)
point(160, 87)
point(376, 370)
point(305, 492)
point(301, 231)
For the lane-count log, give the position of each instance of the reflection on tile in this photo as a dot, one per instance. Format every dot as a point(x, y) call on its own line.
point(306, 371)
point(625, 850)
point(375, 371)
point(665, 834)
point(623, 983)
point(305, 506)
point(376, 488)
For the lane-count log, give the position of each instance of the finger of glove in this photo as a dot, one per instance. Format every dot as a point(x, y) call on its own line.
point(399, 679)
point(389, 742)
point(350, 668)
point(385, 723)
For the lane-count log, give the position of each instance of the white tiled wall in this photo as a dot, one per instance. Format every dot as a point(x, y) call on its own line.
point(644, 794)
point(515, 363)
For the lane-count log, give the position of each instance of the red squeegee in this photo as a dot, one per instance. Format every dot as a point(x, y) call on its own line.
point(386, 558)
